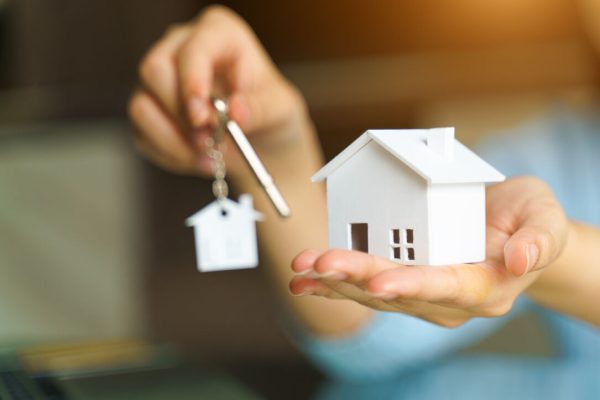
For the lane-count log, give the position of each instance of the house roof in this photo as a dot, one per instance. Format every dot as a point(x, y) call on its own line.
point(226, 204)
point(411, 147)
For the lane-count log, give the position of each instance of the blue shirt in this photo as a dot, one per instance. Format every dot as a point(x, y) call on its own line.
point(397, 356)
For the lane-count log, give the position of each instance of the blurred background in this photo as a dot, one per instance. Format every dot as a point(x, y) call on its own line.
point(92, 241)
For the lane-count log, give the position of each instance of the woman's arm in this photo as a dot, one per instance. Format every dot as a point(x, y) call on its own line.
point(571, 285)
point(281, 239)
point(219, 53)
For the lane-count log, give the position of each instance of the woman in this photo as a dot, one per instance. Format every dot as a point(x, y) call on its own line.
point(532, 247)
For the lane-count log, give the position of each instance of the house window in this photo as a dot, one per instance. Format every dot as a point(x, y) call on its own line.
point(402, 245)
point(396, 236)
point(409, 236)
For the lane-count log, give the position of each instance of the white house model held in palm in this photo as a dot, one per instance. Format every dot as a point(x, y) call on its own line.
point(413, 196)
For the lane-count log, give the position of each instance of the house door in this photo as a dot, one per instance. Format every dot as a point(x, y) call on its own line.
point(359, 237)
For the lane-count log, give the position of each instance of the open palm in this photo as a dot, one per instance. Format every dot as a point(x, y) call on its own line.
point(526, 231)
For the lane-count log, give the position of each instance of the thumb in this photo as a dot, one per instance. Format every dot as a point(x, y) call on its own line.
point(265, 107)
point(538, 241)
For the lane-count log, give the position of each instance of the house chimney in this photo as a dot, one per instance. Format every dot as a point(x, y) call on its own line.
point(441, 141)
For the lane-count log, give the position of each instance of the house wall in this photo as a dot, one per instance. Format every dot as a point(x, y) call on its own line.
point(375, 187)
point(457, 223)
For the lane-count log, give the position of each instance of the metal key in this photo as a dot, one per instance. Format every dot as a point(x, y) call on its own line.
point(255, 164)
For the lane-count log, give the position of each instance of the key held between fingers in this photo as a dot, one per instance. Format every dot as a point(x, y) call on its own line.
point(252, 159)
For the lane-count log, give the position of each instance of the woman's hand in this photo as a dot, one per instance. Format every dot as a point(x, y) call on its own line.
point(526, 231)
point(217, 53)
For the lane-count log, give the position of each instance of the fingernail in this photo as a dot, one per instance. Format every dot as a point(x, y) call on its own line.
point(532, 253)
point(333, 276)
point(198, 111)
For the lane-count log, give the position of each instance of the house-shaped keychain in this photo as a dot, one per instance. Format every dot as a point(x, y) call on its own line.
point(225, 235)
point(412, 196)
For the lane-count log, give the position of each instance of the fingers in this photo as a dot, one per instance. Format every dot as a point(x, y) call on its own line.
point(185, 60)
point(437, 314)
point(218, 41)
point(218, 53)
point(526, 211)
point(265, 107)
point(158, 71)
point(540, 237)
point(223, 56)
point(161, 138)
point(337, 265)
point(339, 271)
point(442, 295)
point(461, 286)
point(303, 262)
point(302, 286)
point(374, 282)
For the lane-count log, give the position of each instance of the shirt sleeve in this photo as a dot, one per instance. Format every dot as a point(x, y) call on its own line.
point(392, 343)
point(561, 149)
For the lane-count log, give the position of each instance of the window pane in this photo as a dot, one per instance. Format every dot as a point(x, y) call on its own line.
point(409, 236)
point(411, 254)
point(397, 253)
point(396, 236)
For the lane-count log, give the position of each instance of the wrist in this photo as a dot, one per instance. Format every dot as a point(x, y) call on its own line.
point(292, 158)
point(572, 283)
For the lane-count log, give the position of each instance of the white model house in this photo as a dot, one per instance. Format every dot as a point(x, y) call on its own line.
point(413, 196)
point(225, 235)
